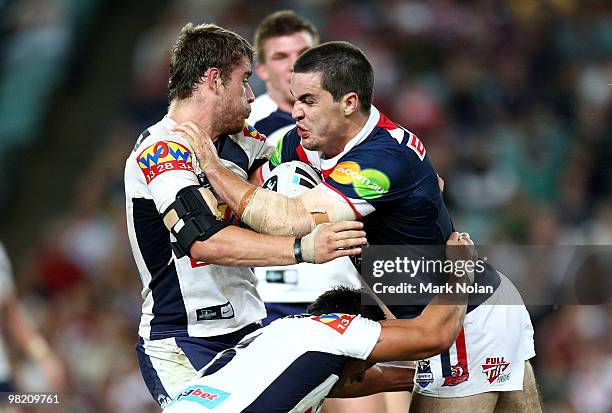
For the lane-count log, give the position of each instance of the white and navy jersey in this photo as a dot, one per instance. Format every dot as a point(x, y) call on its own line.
point(268, 119)
point(301, 283)
point(183, 297)
point(6, 290)
point(288, 366)
point(386, 177)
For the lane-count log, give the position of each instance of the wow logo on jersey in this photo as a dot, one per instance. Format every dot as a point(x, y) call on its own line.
point(250, 131)
point(337, 321)
point(163, 157)
point(208, 397)
point(368, 183)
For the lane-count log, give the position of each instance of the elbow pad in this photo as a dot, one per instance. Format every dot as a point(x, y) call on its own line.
point(192, 216)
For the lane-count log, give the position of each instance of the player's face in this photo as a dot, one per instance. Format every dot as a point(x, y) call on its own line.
point(320, 121)
point(236, 98)
point(280, 54)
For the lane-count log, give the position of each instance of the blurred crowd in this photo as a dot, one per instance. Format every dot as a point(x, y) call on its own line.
point(513, 103)
point(38, 39)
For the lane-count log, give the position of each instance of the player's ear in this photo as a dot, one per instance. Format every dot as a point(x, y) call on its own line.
point(211, 79)
point(350, 103)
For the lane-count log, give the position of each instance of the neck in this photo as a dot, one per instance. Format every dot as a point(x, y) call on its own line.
point(279, 99)
point(351, 128)
point(185, 110)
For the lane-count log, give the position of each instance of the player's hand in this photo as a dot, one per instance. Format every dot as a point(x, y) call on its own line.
point(329, 241)
point(202, 144)
point(460, 247)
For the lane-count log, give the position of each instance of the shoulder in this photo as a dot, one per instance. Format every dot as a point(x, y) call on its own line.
point(249, 138)
point(261, 108)
point(155, 135)
point(159, 152)
point(269, 119)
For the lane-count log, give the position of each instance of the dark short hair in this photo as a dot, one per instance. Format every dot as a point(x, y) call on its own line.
point(282, 23)
point(343, 67)
point(199, 48)
point(345, 300)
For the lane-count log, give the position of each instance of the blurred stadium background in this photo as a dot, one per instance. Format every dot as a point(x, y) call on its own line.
point(511, 98)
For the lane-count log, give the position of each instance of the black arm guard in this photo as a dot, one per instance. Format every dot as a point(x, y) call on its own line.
point(195, 220)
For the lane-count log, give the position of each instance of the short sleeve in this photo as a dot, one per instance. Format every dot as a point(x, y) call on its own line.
point(168, 167)
point(354, 336)
point(6, 277)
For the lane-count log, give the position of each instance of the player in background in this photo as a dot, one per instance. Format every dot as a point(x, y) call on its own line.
point(15, 320)
point(377, 171)
point(199, 293)
point(294, 363)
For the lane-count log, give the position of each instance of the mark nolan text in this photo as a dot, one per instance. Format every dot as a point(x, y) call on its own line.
point(430, 288)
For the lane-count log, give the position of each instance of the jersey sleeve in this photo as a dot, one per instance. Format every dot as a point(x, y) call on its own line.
point(6, 278)
point(168, 165)
point(367, 179)
point(354, 336)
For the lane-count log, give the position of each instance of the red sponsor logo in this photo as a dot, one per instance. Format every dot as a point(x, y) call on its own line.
point(494, 367)
point(204, 395)
point(459, 374)
point(337, 321)
point(196, 263)
point(163, 157)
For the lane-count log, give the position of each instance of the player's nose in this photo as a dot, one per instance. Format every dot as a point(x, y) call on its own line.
point(297, 113)
point(249, 94)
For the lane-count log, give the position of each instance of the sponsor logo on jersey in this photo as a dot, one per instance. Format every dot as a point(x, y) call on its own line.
point(368, 183)
point(337, 321)
point(251, 132)
point(163, 157)
point(208, 397)
point(423, 375)
point(493, 369)
point(459, 374)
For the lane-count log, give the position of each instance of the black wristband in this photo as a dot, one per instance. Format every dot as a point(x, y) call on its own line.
point(297, 250)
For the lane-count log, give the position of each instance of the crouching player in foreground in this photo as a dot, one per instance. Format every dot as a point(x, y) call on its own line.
point(377, 172)
point(297, 361)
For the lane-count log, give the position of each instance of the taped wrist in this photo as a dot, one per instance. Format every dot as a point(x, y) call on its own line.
point(308, 246)
point(271, 213)
point(192, 216)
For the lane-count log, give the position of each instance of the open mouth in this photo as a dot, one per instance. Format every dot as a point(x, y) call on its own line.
point(302, 132)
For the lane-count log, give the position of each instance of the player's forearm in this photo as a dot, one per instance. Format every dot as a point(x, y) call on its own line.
point(446, 312)
point(229, 186)
point(24, 331)
point(264, 211)
point(376, 379)
point(238, 247)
